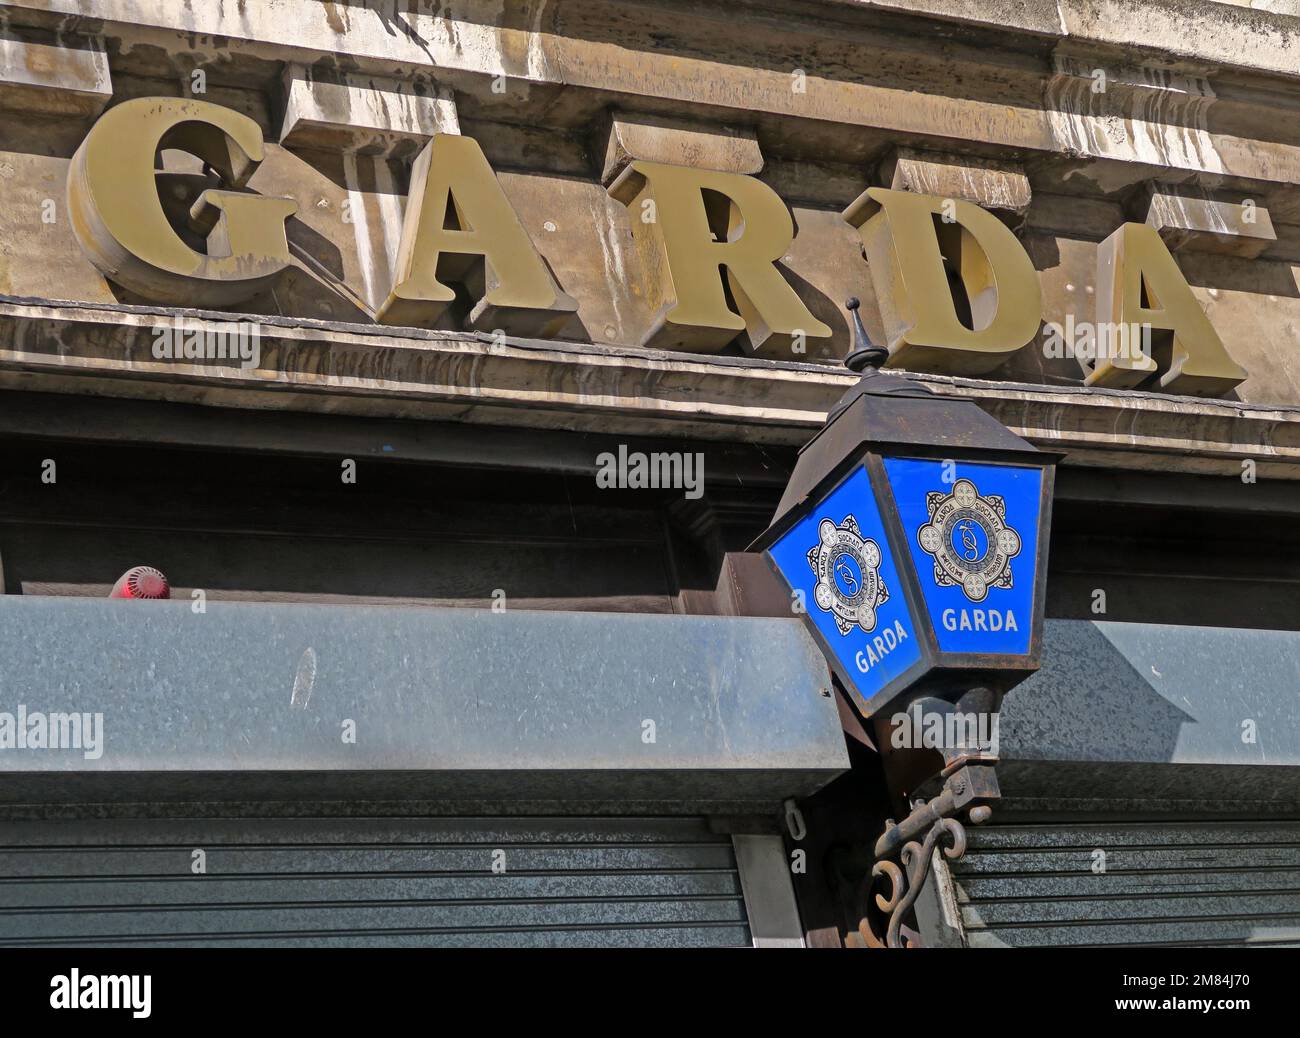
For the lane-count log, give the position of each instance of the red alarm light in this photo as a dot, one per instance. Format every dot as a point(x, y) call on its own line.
point(141, 582)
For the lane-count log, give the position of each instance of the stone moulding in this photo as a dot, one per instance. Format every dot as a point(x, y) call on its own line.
point(324, 367)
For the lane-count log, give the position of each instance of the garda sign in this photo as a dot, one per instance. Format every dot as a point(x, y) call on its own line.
point(966, 543)
point(912, 568)
point(465, 257)
point(841, 560)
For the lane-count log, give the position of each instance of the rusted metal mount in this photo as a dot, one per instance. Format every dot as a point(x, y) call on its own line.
point(905, 850)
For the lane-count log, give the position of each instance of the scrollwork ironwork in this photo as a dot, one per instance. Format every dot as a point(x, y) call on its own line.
point(905, 852)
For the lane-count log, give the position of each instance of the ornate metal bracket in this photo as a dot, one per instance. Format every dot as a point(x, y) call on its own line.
point(906, 883)
point(904, 852)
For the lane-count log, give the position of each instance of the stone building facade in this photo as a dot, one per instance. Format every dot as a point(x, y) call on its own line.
point(354, 442)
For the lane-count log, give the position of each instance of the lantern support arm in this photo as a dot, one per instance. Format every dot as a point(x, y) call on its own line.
point(904, 852)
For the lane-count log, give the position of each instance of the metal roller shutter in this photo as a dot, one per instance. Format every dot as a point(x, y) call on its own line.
point(402, 882)
point(1165, 882)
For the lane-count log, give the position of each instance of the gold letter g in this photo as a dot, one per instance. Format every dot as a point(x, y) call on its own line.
point(119, 219)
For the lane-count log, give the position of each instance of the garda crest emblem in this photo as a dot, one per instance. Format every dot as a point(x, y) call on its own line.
point(847, 566)
point(969, 540)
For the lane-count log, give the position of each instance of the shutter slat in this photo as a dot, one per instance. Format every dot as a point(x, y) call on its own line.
point(695, 936)
point(1164, 882)
point(1114, 883)
point(567, 882)
point(107, 861)
point(70, 894)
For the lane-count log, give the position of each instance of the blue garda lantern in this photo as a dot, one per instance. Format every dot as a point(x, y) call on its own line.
point(913, 537)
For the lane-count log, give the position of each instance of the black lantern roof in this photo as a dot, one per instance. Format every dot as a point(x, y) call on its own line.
point(888, 413)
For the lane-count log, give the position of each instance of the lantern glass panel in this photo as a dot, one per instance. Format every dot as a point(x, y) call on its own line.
point(972, 530)
point(839, 557)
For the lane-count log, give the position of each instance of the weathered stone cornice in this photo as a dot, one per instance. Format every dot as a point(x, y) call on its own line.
point(1200, 31)
point(408, 373)
point(873, 68)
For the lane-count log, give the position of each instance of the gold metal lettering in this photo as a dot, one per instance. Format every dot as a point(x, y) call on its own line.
point(119, 220)
point(924, 267)
point(691, 224)
point(460, 228)
point(1138, 283)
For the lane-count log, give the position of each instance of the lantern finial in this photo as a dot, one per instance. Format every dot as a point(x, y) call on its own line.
point(865, 354)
